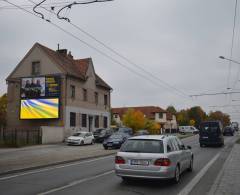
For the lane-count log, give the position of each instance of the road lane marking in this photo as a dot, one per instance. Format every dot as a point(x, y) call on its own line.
point(76, 183)
point(52, 168)
point(188, 188)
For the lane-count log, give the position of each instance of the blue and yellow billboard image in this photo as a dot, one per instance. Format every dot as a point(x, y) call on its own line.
point(39, 108)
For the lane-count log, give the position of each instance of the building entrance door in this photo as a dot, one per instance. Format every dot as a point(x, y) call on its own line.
point(90, 123)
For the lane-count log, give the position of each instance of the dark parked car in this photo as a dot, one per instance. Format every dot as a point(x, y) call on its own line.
point(97, 132)
point(115, 141)
point(211, 133)
point(104, 134)
point(125, 130)
point(141, 132)
point(228, 131)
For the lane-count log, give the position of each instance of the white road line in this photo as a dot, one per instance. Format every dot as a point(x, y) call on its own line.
point(52, 168)
point(76, 183)
point(188, 188)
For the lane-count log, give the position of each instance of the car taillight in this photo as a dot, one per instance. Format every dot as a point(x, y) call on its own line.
point(162, 162)
point(119, 160)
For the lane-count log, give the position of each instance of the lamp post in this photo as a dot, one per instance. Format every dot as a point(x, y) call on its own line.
point(222, 57)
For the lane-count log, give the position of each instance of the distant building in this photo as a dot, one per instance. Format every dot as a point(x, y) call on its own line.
point(159, 115)
point(52, 89)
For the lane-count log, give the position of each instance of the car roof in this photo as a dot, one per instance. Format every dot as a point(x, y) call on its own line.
point(151, 137)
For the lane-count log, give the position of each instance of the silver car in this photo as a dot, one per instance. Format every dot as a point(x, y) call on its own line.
point(153, 157)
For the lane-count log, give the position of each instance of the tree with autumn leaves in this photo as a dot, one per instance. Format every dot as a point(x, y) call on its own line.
point(3, 110)
point(195, 115)
point(135, 119)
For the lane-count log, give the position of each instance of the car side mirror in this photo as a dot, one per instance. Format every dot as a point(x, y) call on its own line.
point(182, 147)
point(189, 147)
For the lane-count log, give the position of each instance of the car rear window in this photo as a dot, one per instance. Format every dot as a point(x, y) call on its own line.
point(143, 146)
point(210, 127)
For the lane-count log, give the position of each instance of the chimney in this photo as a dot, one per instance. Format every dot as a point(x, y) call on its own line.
point(70, 55)
point(62, 51)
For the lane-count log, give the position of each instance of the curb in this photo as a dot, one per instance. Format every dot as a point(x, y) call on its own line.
point(53, 164)
point(4, 173)
point(220, 174)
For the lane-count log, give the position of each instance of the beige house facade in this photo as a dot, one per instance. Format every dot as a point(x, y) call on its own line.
point(84, 98)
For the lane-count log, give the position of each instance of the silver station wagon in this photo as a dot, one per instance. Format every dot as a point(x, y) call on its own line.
point(153, 157)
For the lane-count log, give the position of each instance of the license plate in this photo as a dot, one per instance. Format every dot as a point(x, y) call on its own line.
point(109, 144)
point(205, 137)
point(140, 162)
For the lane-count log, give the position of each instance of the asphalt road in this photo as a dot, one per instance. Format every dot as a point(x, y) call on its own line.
point(96, 176)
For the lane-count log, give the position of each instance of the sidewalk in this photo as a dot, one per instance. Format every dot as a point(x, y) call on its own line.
point(15, 159)
point(228, 180)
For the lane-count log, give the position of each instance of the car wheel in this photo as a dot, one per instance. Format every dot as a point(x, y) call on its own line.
point(176, 178)
point(92, 142)
point(82, 143)
point(105, 147)
point(201, 145)
point(190, 168)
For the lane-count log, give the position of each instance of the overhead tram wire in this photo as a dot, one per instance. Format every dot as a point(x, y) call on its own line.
point(92, 47)
point(119, 55)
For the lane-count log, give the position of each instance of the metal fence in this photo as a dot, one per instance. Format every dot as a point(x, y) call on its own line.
point(17, 138)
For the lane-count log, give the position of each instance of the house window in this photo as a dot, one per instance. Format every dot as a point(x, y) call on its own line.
point(115, 115)
point(105, 122)
point(84, 95)
point(96, 121)
point(84, 120)
point(36, 68)
point(96, 98)
point(160, 115)
point(72, 87)
point(105, 100)
point(72, 119)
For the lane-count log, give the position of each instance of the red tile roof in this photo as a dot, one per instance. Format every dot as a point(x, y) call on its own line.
point(148, 111)
point(74, 67)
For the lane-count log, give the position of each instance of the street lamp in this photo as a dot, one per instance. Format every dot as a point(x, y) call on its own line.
point(222, 57)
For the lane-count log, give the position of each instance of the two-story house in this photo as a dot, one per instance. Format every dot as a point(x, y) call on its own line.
point(50, 88)
point(159, 115)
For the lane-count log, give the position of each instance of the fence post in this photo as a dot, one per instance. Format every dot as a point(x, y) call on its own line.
point(15, 137)
point(27, 137)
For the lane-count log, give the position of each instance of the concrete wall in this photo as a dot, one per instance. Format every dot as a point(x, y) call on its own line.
point(52, 134)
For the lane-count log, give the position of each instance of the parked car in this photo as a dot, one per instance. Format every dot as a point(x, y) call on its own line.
point(235, 126)
point(141, 132)
point(211, 133)
point(80, 138)
point(188, 129)
point(228, 131)
point(115, 140)
point(153, 157)
point(104, 134)
point(125, 130)
point(97, 132)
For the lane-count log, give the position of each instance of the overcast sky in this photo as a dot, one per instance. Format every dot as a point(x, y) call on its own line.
point(177, 41)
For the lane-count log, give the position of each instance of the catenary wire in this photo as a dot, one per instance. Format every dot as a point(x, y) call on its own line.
point(120, 55)
point(92, 47)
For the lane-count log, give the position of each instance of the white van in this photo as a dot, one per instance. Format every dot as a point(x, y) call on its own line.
point(188, 129)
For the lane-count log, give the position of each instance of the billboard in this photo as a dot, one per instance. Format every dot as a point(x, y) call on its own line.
point(40, 87)
point(39, 108)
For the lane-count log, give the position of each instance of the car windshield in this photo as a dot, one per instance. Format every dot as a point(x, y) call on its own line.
point(143, 146)
point(103, 132)
point(98, 130)
point(78, 134)
point(123, 130)
point(116, 136)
